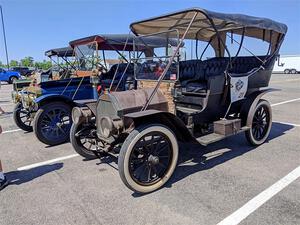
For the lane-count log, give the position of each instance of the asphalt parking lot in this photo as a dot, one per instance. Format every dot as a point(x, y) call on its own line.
point(209, 185)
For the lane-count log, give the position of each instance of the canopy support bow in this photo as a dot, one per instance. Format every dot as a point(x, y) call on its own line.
point(169, 63)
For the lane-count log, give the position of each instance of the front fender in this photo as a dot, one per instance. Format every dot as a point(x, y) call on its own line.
point(53, 97)
point(165, 118)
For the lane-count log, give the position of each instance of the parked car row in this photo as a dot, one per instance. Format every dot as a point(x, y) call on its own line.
point(14, 73)
point(23, 70)
point(140, 108)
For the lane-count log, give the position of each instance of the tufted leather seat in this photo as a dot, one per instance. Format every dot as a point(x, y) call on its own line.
point(245, 64)
point(194, 74)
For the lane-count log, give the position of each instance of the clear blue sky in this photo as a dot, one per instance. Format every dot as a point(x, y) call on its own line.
point(33, 26)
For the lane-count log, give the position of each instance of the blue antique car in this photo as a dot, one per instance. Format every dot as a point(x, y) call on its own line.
point(53, 105)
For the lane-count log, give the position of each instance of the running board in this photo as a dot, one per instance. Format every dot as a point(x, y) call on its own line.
point(213, 137)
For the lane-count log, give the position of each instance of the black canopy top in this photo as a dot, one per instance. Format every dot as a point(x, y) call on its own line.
point(60, 52)
point(118, 41)
point(207, 22)
point(202, 25)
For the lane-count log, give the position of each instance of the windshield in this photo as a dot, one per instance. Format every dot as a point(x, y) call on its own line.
point(152, 54)
point(86, 56)
point(62, 66)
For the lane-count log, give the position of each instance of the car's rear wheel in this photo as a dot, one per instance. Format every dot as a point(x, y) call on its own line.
point(52, 123)
point(22, 117)
point(82, 140)
point(148, 158)
point(261, 122)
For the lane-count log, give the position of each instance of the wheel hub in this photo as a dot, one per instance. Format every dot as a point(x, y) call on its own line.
point(55, 122)
point(261, 122)
point(153, 160)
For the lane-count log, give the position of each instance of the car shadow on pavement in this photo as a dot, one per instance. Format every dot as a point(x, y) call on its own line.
point(24, 176)
point(5, 114)
point(109, 160)
point(193, 160)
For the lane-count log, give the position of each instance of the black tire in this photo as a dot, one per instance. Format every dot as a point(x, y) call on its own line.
point(261, 123)
point(12, 79)
point(18, 115)
point(80, 147)
point(148, 158)
point(52, 123)
point(293, 71)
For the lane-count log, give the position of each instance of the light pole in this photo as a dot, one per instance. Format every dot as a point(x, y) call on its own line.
point(4, 37)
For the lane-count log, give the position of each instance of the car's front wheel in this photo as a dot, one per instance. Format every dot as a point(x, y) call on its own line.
point(22, 117)
point(52, 123)
point(83, 141)
point(148, 158)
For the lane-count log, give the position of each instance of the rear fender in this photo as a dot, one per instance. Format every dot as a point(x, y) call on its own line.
point(248, 107)
point(53, 97)
point(165, 118)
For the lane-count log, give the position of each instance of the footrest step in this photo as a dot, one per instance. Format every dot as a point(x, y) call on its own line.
point(214, 137)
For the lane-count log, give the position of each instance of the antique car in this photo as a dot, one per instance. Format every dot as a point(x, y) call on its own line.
point(83, 135)
point(212, 97)
point(62, 65)
point(61, 59)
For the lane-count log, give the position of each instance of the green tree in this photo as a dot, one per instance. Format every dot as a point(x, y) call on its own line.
point(37, 65)
point(13, 63)
point(43, 65)
point(2, 65)
point(27, 61)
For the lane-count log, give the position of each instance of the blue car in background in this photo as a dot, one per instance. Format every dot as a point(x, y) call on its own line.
point(9, 76)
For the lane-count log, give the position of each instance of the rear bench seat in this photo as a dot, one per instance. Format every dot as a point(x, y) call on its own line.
point(194, 74)
point(245, 64)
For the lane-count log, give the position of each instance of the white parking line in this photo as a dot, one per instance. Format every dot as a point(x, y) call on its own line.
point(283, 81)
point(6, 104)
point(259, 200)
point(291, 124)
point(284, 102)
point(11, 131)
point(47, 162)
